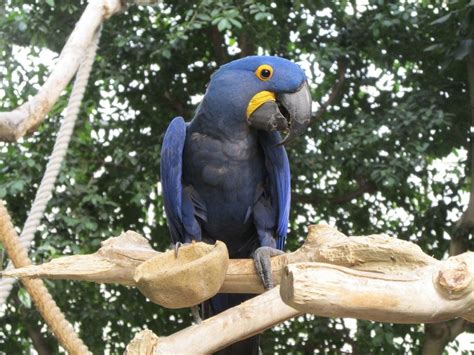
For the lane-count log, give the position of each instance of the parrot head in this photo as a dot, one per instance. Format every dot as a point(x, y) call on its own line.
point(267, 93)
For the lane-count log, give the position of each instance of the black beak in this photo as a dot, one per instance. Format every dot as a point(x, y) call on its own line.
point(296, 107)
point(289, 112)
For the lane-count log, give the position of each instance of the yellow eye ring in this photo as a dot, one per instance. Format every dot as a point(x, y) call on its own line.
point(264, 72)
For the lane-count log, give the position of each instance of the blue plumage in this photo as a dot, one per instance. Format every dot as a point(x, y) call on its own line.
point(278, 167)
point(171, 173)
point(225, 175)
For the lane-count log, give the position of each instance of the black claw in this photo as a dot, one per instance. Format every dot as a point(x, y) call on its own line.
point(267, 272)
point(176, 248)
point(261, 258)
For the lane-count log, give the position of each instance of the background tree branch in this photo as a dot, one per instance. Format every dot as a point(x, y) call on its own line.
point(25, 119)
point(335, 91)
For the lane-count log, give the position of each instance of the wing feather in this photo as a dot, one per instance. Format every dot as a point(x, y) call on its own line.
point(278, 168)
point(171, 169)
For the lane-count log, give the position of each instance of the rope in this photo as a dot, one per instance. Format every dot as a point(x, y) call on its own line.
point(45, 304)
point(17, 247)
point(44, 193)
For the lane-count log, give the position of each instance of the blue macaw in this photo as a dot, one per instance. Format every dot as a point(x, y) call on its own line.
point(225, 175)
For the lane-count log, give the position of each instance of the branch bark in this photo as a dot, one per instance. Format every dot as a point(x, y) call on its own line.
point(444, 291)
point(119, 257)
point(245, 320)
point(37, 338)
point(438, 335)
point(332, 291)
point(368, 277)
point(26, 118)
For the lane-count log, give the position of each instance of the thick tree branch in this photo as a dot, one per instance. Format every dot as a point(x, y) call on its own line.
point(245, 320)
point(178, 106)
point(33, 329)
point(438, 335)
point(335, 91)
point(218, 44)
point(118, 259)
point(316, 198)
point(443, 291)
point(37, 338)
point(332, 291)
point(25, 119)
point(369, 277)
point(246, 44)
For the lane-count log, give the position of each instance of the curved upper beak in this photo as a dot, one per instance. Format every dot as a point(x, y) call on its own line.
point(298, 108)
point(290, 112)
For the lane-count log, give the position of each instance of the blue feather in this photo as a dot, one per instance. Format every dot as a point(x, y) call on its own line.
point(171, 172)
point(278, 168)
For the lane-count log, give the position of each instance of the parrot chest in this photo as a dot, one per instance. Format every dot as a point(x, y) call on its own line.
point(226, 175)
point(226, 166)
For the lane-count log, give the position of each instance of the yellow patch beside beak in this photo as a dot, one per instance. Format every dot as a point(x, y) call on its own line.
point(258, 100)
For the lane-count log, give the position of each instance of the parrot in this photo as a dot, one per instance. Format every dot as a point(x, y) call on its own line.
point(225, 175)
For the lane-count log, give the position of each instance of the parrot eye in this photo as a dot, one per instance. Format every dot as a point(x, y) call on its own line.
point(264, 72)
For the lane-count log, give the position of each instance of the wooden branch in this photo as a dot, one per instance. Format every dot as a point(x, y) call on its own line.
point(117, 259)
point(143, 343)
point(25, 119)
point(438, 335)
point(114, 262)
point(430, 294)
point(235, 324)
point(372, 277)
point(443, 290)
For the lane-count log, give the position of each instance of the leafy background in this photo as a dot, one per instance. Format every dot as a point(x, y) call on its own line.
point(390, 155)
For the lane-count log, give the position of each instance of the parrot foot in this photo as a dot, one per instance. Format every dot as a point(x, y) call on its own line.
point(261, 258)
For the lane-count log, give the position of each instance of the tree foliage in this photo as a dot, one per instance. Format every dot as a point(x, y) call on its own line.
point(389, 156)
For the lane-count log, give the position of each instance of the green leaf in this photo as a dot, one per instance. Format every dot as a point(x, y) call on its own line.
point(3, 191)
point(235, 23)
point(442, 19)
point(223, 25)
point(204, 17)
point(463, 49)
point(24, 297)
point(166, 53)
point(216, 20)
point(433, 47)
point(50, 2)
point(261, 16)
point(71, 221)
point(91, 225)
point(16, 186)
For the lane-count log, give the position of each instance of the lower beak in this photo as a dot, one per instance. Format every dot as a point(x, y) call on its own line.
point(290, 112)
